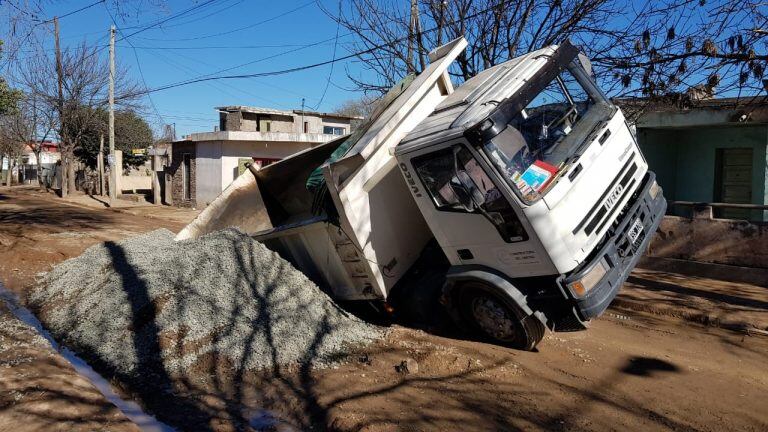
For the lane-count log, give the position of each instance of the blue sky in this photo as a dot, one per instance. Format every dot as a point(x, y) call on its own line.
point(197, 44)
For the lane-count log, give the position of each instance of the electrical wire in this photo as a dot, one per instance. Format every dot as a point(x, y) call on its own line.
point(237, 29)
point(330, 73)
point(11, 56)
point(305, 67)
point(172, 17)
point(138, 65)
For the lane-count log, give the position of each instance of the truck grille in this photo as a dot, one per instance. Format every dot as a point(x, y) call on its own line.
point(600, 213)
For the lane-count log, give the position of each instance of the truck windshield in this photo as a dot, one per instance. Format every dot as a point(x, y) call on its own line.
point(537, 143)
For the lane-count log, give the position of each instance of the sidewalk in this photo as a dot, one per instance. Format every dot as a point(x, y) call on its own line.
point(732, 305)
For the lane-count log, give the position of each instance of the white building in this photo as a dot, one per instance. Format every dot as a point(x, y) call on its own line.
point(204, 164)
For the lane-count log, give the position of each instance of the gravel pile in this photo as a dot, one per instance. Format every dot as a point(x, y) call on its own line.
point(150, 299)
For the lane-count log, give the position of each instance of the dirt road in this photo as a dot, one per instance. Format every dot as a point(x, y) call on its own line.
point(631, 370)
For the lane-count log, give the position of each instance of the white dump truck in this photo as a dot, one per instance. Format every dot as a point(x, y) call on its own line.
point(521, 194)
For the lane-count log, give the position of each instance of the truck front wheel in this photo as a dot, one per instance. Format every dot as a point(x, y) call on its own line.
point(499, 319)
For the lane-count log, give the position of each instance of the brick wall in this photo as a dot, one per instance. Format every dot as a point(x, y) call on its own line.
point(177, 176)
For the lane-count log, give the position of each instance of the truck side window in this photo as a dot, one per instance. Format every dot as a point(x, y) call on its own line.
point(437, 172)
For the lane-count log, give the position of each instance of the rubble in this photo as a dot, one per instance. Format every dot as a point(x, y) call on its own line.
point(222, 295)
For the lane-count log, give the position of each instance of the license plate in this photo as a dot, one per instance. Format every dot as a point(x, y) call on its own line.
point(635, 230)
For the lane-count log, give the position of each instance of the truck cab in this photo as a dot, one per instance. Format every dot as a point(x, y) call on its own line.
point(535, 189)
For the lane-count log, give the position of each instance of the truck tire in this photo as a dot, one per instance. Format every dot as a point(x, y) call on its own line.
point(499, 319)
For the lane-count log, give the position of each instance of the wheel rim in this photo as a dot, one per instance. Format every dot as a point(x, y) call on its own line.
point(493, 318)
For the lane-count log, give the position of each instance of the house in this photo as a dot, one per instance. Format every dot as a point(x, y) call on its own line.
point(707, 150)
point(204, 164)
point(27, 171)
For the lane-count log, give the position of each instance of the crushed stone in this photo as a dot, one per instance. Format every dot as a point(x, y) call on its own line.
point(223, 294)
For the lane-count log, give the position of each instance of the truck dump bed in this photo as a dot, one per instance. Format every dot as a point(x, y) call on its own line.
point(358, 232)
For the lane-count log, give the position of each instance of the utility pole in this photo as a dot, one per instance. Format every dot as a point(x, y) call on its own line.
point(100, 164)
point(60, 105)
point(411, 33)
point(112, 165)
point(441, 15)
point(417, 26)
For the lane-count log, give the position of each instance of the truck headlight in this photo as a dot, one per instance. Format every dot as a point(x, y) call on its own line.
point(589, 280)
point(655, 190)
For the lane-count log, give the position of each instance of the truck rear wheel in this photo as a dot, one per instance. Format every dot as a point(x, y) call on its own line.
point(499, 319)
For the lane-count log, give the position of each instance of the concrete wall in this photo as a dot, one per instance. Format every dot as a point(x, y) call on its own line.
point(720, 241)
point(232, 152)
point(684, 159)
point(251, 122)
point(216, 163)
point(135, 183)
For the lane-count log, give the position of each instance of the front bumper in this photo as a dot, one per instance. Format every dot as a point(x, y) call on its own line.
point(619, 253)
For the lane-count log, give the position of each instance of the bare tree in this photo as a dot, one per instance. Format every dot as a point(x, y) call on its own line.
point(30, 126)
point(11, 147)
point(660, 48)
point(362, 107)
point(85, 82)
point(671, 46)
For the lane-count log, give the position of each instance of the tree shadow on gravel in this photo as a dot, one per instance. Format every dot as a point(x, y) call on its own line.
point(155, 386)
point(214, 392)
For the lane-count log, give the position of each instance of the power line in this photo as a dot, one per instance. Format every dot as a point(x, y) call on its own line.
point(154, 24)
point(32, 29)
point(309, 66)
point(172, 17)
point(76, 11)
point(181, 66)
point(237, 29)
point(330, 73)
point(217, 47)
point(192, 48)
point(138, 65)
point(225, 8)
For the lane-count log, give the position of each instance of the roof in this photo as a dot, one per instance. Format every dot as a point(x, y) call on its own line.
point(680, 102)
point(260, 110)
point(254, 136)
point(680, 110)
point(46, 146)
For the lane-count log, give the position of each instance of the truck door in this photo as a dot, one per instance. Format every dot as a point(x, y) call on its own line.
point(470, 215)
